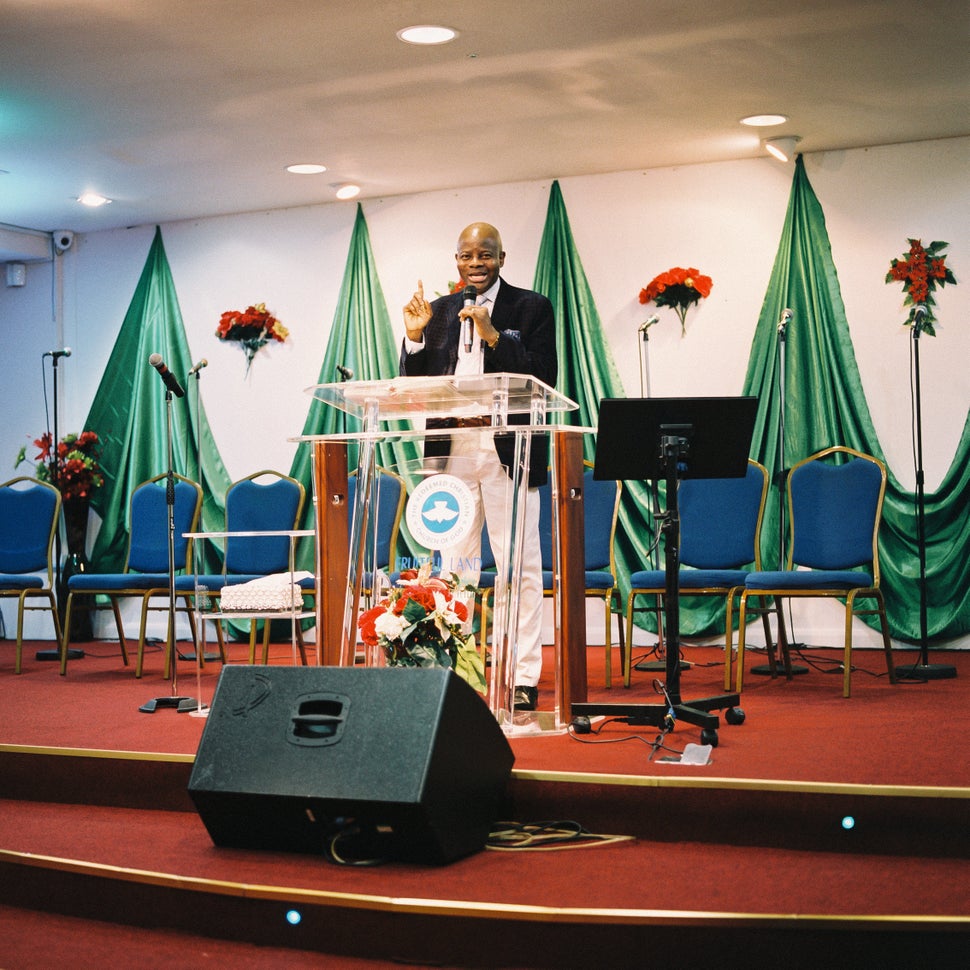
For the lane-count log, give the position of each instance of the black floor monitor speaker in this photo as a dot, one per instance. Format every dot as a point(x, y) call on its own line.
point(310, 759)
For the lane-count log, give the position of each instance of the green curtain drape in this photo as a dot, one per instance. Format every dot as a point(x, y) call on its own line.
point(362, 339)
point(824, 405)
point(129, 415)
point(587, 374)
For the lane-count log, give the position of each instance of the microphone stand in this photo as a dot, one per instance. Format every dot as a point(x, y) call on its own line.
point(194, 655)
point(73, 653)
point(658, 649)
point(782, 350)
point(923, 670)
point(182, 704)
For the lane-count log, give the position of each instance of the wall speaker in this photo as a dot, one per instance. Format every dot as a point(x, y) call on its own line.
point(393, 763)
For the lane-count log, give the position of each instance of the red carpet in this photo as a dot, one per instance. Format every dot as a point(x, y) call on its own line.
point(691, 882)
point(799, 730)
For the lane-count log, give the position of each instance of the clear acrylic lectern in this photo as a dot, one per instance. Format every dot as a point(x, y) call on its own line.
point(421, 411)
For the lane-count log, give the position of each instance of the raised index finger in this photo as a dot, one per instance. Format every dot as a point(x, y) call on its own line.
point(421, 291)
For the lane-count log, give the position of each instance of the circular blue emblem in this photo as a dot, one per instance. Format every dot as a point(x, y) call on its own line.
point(440, 511)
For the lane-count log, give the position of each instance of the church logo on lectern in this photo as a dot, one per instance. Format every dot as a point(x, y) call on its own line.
point(441, 511)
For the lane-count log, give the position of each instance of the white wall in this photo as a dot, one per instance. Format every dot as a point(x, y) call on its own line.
point(723, 218)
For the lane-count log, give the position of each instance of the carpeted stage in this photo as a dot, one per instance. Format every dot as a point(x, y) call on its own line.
point(745, 860)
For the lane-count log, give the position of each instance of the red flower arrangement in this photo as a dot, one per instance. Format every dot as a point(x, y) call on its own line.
point(76, 472)
point(424, 622)
point(678, 288)
point(920, 271)
point(253, 328)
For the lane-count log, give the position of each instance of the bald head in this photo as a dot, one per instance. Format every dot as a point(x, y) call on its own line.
point(480, 232)
point(479, 256)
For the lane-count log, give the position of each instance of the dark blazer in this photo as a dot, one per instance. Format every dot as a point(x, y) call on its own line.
point(526, 345)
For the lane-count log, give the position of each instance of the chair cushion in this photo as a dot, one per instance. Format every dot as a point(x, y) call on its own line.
point(690, 579)
point(809, 579)
point(595, 579)
point(116, 582)
point(21, 582)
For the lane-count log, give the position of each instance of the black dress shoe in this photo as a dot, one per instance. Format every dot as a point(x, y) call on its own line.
point(525, 698)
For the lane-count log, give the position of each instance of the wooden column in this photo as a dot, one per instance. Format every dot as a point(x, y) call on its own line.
point(332, 525)
point(570, 603)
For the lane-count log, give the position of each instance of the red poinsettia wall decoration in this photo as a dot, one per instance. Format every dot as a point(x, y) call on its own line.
point(252, 328)
point(920, 271)
point(679, 289)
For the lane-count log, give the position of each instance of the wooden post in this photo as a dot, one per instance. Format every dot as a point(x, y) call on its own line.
point(570, 571)
point(331, 514)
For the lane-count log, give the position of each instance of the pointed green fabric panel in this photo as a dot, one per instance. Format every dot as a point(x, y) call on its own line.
point(362, 339)
point(825, 405)
point(129, 414)
point(587, 374)
point(947, 553)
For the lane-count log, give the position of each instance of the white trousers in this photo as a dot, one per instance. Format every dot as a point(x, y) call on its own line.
point(473, 459)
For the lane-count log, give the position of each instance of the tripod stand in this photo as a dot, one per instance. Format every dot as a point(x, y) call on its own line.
point(709, 440)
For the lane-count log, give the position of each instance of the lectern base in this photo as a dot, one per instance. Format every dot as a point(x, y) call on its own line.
point(530, 724)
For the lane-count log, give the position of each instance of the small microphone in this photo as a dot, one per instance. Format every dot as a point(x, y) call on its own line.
point(346, 374)
point(919, 318)
point(171, 381)
point(64, 352)
point(786, 316)
point(468, 295)
point(647, 324)
point(195, 370)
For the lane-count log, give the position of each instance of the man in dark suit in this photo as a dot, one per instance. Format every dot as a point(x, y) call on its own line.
point(511, 330)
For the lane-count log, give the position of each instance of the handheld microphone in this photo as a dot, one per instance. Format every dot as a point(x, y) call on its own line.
point(346, 374)
point(647, 324)
point(468, 295)
point(195, 370)
point(64, 352)
point(786, 316)
point(171, 381)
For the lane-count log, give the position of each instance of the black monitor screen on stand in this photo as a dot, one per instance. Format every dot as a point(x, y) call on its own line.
point(630, 430)
point(650, 439)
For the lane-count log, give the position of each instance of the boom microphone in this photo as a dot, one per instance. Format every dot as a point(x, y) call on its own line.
point(171, 381)
point(195, 370)
point(649, 323)
point(468, 294)
point(65, 352)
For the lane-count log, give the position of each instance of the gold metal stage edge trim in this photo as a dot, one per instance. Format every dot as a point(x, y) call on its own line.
point(486, 911)
point(576, 778)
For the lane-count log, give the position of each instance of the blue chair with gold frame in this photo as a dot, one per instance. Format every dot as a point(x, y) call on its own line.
point(29, 513)
point(835, 499)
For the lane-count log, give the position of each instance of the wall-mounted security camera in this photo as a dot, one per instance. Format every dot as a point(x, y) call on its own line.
point(63, 240)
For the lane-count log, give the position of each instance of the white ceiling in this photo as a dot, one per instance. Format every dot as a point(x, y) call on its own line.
point(184, 108)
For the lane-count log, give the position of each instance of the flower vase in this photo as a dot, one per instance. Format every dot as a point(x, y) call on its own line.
point(76, 561)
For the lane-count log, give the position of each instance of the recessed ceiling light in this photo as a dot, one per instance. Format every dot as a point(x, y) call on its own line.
point(764, 121)
point(306, 169)
point(426, 34)
point(347, 190)
point(782, 148)
point(92, 199)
